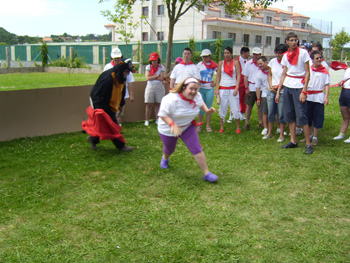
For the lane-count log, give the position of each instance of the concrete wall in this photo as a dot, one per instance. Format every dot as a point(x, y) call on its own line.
point(30, 113)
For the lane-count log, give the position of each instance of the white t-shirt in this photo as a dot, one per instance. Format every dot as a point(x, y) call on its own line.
point(250, 70)
point(346, 76)
point(129, 79)
point(159, 70)
point(179, 110)
point(206, 75)
point(276, 70)
point(261, 81)
point(226, 79)
point(317, 82)
point(182, 71)
point(297, 70)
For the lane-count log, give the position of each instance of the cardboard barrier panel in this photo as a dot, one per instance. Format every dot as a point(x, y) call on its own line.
point(30, 113)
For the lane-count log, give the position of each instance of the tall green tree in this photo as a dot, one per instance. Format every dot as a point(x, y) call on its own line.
point(338, 42)
point(177, 8)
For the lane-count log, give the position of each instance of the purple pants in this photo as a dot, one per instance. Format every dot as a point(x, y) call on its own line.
point(189, 137)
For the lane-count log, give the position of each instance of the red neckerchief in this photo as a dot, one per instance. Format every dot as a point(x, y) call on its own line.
point(190, 101)
point(228, 69)
point(279, 61)
point(265, 72)
point(112, 62)
point(293, 56)
point(254, 62)
point(183, 63)
point(320, 69)
point(212, 65)
point(153, 70)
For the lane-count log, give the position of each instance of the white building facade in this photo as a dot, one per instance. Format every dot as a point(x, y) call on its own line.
point(266, 30)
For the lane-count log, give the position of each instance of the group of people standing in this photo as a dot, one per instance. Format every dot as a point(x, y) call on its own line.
point(292, 88)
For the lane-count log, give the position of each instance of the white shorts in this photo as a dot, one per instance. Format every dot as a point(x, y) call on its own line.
point(154, 92)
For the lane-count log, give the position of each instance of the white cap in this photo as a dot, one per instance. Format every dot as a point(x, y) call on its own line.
point(256, 50)
point(205, 52)
point(116, 53)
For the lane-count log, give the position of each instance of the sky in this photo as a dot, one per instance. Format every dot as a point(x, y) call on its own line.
point(81, 17)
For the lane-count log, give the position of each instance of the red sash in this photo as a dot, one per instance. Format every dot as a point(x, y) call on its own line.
point(298, 77)
point(309, 92)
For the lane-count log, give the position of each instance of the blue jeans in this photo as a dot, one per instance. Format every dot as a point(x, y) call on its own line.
point(275, 108)
point(208, 97)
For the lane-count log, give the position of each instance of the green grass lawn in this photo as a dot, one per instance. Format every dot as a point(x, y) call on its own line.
point(63, 202)
point(48, 80)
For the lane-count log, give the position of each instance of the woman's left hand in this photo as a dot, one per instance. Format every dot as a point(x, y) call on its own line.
point(211, 110)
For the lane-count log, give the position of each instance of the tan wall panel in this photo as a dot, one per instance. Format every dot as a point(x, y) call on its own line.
point(30, 113)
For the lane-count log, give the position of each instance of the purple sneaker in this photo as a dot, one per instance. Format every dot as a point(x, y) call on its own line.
point(210, 177)
point(164, 163)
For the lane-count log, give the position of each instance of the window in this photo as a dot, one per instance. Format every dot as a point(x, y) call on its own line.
point(160, 35)
point(145, 36)
point(200, 7)
point(303, 25)
point(246, 40)
point(232, 36)
point(269, 20)
point(278, 41)
point(145, 11)
point(257, 39)
point(161, 10)
point(268, 41)
point(227, 14)
point(216, 34)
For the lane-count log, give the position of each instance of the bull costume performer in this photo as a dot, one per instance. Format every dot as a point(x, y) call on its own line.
point(107, 98)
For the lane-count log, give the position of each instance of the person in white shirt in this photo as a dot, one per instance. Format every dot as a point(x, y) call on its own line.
point(206, 69)
point(274, 77)
point(318, 47)
point(261, 85)
point(316, 99)
point(177, 112)
point(184, 69)
point(227, 85)
point(117, 56)
point(295, 79)
point(154, 91)
point(344, 99)
point(249, 71)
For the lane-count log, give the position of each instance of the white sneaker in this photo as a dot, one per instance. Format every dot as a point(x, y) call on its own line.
point(267, 137)
point(280, 139)
point(347, 140)
point(242, 117)
point(146, 123)
point(264, 131)
point(298, 131)
point(339, 137)
point(229, 121)
point(278, 131)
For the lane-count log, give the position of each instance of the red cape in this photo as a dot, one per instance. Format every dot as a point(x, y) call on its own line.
point(101, 125)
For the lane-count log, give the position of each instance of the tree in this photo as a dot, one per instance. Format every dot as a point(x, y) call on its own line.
point(338, 42)
point(123, 19)
point(177, 8)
